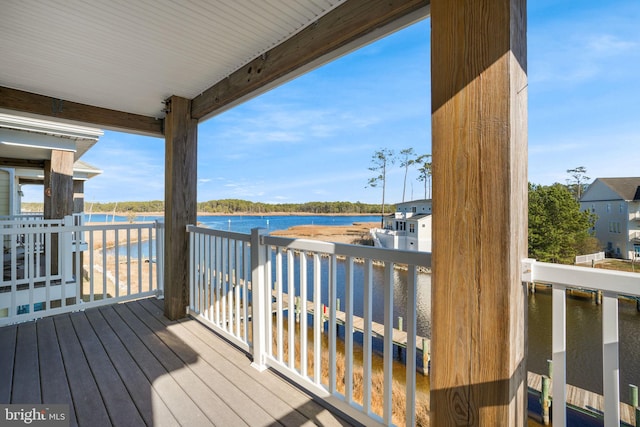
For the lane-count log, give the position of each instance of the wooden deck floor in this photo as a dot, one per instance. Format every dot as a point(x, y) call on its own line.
point(127, 365)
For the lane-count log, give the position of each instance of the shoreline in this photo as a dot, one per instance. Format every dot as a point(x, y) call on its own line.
point(237, 214)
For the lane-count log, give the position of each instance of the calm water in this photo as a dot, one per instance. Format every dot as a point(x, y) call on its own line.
point(244, 223)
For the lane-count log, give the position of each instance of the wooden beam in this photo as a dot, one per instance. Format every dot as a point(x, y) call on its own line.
point(479, 128)
point(41, 105)
point(180, 203)
point(350, 25)
point(21, 163)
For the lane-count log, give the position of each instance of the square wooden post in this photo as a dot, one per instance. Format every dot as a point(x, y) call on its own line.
point(479, 126)
point(58, 185)
point(181, 143)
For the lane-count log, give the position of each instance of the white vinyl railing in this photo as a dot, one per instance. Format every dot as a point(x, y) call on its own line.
point(56, 266)
point(278, 298)
point(595, 257)
point(220, 280)
point(612, 284)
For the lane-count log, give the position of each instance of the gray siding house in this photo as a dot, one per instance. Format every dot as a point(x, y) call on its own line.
point(616, 201)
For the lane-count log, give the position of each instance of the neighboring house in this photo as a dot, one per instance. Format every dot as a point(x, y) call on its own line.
point(616, 202)
point(409, 228)
point(26, 150)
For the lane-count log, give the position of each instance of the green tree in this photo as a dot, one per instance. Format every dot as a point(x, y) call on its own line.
point(558, 230)
point(424, 172)
point(380, 160)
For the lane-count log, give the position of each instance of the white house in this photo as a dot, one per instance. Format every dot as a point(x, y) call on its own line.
point(409, 228)
point(616, 202)
point(26, 146)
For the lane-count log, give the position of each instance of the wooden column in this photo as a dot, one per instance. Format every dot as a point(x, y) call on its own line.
point(181, 132)
point(479, 127)
point(58, 185)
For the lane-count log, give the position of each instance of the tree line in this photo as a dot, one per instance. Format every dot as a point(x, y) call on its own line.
point(228, 206)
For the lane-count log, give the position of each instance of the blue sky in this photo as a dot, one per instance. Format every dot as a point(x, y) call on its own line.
point(312, 139)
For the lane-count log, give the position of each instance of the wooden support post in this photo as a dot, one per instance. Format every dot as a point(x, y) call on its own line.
point(58, 195)
point(479, 128)
point(545, 402)
point(180, 202)
point(58, 185)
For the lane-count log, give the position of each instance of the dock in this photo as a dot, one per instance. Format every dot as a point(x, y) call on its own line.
point(584, 400)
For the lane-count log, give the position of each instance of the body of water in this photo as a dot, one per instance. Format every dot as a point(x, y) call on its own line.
point(244, 223)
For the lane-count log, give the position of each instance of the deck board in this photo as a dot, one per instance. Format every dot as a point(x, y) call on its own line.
point(121, 409)
point(239, 402)
point(8, 346)
point(297, 402)
point(127, 364)
point(149, 403)
point(170, 392)
point(53, 378)
point(87, 400)
point(26, 379)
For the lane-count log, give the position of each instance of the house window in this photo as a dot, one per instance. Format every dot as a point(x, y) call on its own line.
point(414, 209)
point(400, 226)
point(621, 207)
point(608, 207)
point(412, 228)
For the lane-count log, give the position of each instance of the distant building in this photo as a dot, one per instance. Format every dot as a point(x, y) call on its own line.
point(409, 228)
point(27, 144)
point(616, 202)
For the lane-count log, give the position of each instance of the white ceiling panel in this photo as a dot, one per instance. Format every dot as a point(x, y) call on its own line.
point(130, 55)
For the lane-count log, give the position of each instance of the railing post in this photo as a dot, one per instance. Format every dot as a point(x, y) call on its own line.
point(66, 250)
point(258, 300)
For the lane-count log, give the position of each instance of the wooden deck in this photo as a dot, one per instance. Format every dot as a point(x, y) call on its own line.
point(126, 364)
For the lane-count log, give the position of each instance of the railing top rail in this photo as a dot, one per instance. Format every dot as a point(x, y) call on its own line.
point(219, 233)
point(618, 282)
point(422, 259)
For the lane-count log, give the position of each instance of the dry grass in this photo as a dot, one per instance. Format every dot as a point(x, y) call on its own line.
point(377, 380)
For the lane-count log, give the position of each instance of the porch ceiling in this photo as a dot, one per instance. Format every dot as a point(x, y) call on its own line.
point(131, 56)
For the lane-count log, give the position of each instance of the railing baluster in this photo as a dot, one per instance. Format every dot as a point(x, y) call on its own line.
point(140, 259)
point(279, 314)
point(367, 334)
point(610, 369)
point(193, 286)
point(317, 319)
point(128, 261)
point(559, 348)
point(237, 285)
point(388, 343)
point(348, 331)
point(229, 281)
point(91, 270)
point(303, 314)
point(268, 295)
point(291, 314)
point(333, 300)
point(412, 315)
point(246, 251)
point(218, 282)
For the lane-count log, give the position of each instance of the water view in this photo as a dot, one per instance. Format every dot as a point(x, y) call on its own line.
point(584, 316)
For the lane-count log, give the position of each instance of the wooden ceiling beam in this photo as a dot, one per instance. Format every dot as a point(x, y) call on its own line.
point(41, 105)
point(21, 163)
point(349, 26)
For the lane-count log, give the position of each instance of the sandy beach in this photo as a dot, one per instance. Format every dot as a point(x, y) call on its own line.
point(351, 234)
